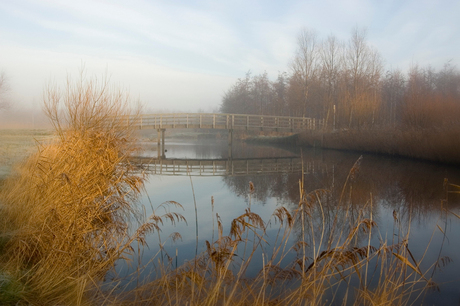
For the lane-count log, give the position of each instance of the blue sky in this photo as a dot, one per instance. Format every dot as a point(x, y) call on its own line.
point(183, 55)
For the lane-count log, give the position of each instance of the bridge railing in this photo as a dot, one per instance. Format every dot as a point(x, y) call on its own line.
point(225, 121)
point(228, 167)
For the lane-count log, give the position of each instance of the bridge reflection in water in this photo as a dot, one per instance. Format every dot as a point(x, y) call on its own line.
point(227, 167)
point(219, 121)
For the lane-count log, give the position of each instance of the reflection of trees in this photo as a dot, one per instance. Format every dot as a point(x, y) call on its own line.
point(414, 189)
point(266, 186)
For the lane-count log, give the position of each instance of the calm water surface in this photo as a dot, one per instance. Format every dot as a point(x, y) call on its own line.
point(412, 189)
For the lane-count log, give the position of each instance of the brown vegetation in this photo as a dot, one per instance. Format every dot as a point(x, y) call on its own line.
point(331, 80)
point(65, 210)
point(434, 144)
point(65, 221)
point(344, 83)
point(326, 264)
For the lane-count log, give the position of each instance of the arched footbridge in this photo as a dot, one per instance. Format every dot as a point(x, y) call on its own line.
point(226, 122)
point(229, 122)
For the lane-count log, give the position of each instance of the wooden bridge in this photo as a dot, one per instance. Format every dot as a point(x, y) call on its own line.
point(225, 122)
point(227, 167)
point(228, 122)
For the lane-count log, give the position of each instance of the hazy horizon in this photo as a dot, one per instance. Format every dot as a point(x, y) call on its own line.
point(184, 56)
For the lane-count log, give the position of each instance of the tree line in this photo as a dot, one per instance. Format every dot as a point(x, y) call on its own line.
point(344, 83)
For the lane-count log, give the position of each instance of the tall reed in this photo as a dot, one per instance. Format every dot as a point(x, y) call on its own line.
point(65, 211)
point(338, 265)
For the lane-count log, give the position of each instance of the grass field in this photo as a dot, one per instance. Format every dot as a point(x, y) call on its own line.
point(16, 145)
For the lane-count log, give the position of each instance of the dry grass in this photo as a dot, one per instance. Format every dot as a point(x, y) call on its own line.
point(434, 144)
point(65, 221)
point(325, 265)
point(65, 210)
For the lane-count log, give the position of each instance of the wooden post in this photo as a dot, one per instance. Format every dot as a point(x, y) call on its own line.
point(159, 143)
point(334, 127)
point(230, 143)
point(163, 143)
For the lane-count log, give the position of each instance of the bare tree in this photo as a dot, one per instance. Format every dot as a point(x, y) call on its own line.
point(262, 93)
point(280, 88)
point(88, 104)
point(305, 65)
point(3, 89)
point(364, 68)
point(432, 99)
point(238, 98)
point(331, 66)
point(393, 90)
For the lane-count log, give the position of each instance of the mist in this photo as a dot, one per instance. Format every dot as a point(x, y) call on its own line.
point(23, 118)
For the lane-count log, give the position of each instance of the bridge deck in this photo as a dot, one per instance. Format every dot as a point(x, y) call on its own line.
point(224, 122)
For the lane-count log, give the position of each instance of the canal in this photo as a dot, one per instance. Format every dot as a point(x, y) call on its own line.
point(411, 202)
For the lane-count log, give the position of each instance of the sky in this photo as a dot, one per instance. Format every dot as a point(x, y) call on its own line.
point(183, 55)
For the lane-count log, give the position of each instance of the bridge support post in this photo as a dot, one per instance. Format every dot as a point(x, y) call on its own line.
point(230, 143)
point(161, 143)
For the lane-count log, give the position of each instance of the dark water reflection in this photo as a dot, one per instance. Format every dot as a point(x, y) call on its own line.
point(414, 190)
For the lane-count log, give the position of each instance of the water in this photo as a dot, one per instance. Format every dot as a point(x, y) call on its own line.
point(414, 190)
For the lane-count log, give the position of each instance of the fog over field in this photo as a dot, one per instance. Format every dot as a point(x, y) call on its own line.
point(185, 56)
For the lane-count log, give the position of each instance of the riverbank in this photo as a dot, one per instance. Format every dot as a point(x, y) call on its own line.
point(438, 145)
